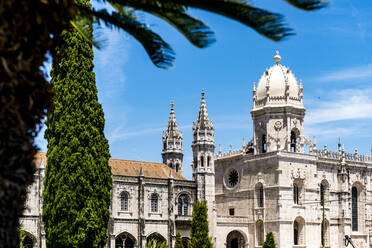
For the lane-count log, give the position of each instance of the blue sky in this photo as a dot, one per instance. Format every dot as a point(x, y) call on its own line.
point(331, 53)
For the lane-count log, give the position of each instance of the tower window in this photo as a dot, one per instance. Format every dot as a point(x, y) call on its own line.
point(296, 195)
point(354, 206)
point(177, 167)
point(208, 161)
point(293, 142)
point(264, 145)
point(165, 146)
point(202, 161)
point(260, 195)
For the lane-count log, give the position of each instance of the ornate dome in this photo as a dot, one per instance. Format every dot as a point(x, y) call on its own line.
point(278, 85)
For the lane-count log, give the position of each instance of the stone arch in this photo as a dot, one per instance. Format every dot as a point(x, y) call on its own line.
point(185, 242)
point(155, 236)
point(357, 207)
point(125, 240)
point(299, 231)
point(236, 239)
point(29, 240)
point(294, 140)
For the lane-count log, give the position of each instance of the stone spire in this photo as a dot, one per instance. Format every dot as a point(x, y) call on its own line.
point(172, 143)
point(203, 120)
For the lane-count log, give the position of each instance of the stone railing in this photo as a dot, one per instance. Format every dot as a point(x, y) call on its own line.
point(229, 154)
point(340, 154)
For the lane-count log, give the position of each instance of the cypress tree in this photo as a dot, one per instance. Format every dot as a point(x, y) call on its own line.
point(199, 227)
point(77, 178)
point(269, 242)
point(179, 243)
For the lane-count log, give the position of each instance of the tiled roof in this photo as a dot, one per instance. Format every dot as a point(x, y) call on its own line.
point(128, 168)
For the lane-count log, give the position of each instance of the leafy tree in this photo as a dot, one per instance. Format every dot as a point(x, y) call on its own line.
point(178, 243)
point(199, 227)
point(155, 244)
point(30, 29)
point(269, 242)
point(77, 178)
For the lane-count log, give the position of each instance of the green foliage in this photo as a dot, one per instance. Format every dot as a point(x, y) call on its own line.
point(199, 227)
point(178, 243)
point(155, 244)
point(78, 178)
point(269, 242)
point(22, 236)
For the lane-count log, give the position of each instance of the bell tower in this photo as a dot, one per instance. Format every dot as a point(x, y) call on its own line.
point(278, 111)
point(172, 153)
point(203, 163)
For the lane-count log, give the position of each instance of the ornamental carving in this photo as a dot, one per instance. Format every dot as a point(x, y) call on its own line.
point(278, 126)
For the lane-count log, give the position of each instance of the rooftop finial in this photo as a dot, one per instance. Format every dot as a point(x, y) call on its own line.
point(277, 57)
point(202, 93)
point(172, 105)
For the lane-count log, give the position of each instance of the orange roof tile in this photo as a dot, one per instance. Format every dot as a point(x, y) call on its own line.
point(128, 168)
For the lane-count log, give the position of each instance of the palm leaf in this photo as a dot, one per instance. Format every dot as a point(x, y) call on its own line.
point(264, 22)
point(160, 52)
point(308, 4)
point(198, 33)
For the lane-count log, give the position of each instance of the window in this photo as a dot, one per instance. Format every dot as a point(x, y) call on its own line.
point(322, 194)
point(124, 201)
point(231, 211)
point(259, 233)
point(233, 178)
point(298, 231)
point(260, 195)
point(154, 203)
point(202, 161)
point(180, 204)
point(165, 146)
point(293, 142)
point(209, 161)
point(28, 242)
point(183, 205)
point(296, 196)
point(354, 206)
point(264, 145)
point(325, 233)
point(177, 167)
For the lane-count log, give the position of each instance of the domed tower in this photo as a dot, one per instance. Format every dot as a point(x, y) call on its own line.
point(278, 111)
point(172, 144)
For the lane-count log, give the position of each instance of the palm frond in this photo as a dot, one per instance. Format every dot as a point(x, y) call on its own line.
point(160, 52)
point(85, 34)
point(198, 33)
point(308, 5)
point(266, 23)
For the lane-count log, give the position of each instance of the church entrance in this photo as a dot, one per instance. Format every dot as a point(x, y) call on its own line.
point(124, 240)
point(235, 240)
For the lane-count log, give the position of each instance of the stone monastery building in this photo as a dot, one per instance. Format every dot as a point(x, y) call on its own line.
point(280, 182)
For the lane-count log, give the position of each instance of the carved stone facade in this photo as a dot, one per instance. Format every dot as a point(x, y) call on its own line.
point(279, 182)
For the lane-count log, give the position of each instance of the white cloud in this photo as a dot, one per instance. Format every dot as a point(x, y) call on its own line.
point(345, 105)
point(347, 74)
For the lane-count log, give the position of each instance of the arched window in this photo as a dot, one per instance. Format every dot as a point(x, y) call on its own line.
point(156, 237)
point(209, 161)
point(325, 233)
point(235, 239)
point(154, 203)
point(171, 165)
point(298, 231)
point(177, 167)
point(354, 206)
point(124, 201)
point(296, 195)
point(124, 240)
point(260, 195)
point(180, 205)
point(202, 161)
point(323, 192)
point(28, 242)
point(264, 145)
point(259, 233)
point(185, 206)
point(293, 142)
point(165, 146)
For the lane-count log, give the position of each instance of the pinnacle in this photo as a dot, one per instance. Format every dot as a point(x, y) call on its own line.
point(203, 120)
point(172, 129)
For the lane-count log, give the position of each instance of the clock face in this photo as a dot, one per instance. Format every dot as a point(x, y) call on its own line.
point(231, 178)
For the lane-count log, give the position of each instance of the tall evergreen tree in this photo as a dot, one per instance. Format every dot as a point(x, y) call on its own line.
point(78, 178)
point(178, 243)
point(269, 241)
point(199, 227)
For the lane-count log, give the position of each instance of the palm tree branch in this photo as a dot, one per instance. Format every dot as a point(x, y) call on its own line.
point(198, 33)
point(308, 5)
point(160, 52)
